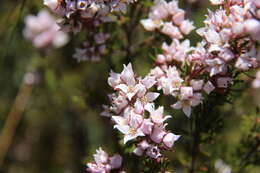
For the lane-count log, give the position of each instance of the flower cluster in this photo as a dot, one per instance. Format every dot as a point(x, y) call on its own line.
point(229, 46)
point(79, 14)
point(93, 49)
point(103, 163)
point(169, 19)
point(227, 33)
point(43, 31)
point(134, 113)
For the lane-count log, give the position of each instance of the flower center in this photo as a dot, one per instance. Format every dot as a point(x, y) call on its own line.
point(186, 102)
point(132, 131)
point(130, 89)
point(176, 84)
point(144, 99)
point(157, 117)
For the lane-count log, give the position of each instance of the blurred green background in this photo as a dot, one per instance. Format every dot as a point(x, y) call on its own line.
point(61, 125)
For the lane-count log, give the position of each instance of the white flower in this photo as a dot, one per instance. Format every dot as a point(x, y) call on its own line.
point(186, 27)
point(156, 115)
point(217, 2)
point(213, 37)
point(52, 4)
point(151, 25)
point(196, 84)
point(169, 139)
point(101, 156)
point(171, 30)
point(131, 127)
point(216, 66)
point(129, 87)
point(186, 104)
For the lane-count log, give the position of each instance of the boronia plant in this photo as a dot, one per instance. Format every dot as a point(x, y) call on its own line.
point(195, 79)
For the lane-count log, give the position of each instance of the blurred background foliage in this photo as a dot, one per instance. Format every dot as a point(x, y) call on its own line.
point(61, 126)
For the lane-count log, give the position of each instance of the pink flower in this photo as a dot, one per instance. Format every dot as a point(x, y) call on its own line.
point(169, 139)
point(157, 134)
point(156, 115)
point(153, 152)
point(171, 82)
point(176, 51)
point(119, 102)
point(211, 36)
point(94, 168)
point(144, 145)
point(186, 93)
point(178, 18)
point(43, 31)
point(114, 79)
point(158, 11)
point(186, 104)
point(217, 2)
point(172, 31)
point(252, 26)
point(101, 156)
point(161, 59)
point(151, 25)
point(115, 161)
point(226, 54)
point(186, 27)
point(147, 126)
point(148, 81)
point(129, 87)
point(54, 6)
point(131, 127)
point(103, 163)
point(208, 87)
point(216, 66)
point(196, 84)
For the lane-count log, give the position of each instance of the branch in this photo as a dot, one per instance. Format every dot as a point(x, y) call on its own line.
point(15, 115)
point(195, 147)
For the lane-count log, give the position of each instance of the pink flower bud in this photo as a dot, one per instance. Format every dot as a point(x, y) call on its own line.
point(115, 161)
point(171, 30)
point(178, 18)
point(186, 27)
point(138, 151)
point(161, 58)
point(186, 93)
point(157, 135)
point(169, 139)
point(252, 26)
point(147, 127)
point(144, 145)
point(197, 84)
point(257, 3)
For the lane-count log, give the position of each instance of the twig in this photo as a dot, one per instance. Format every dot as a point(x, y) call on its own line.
point(13, 119)
point(195, 146)
point(129, 30)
